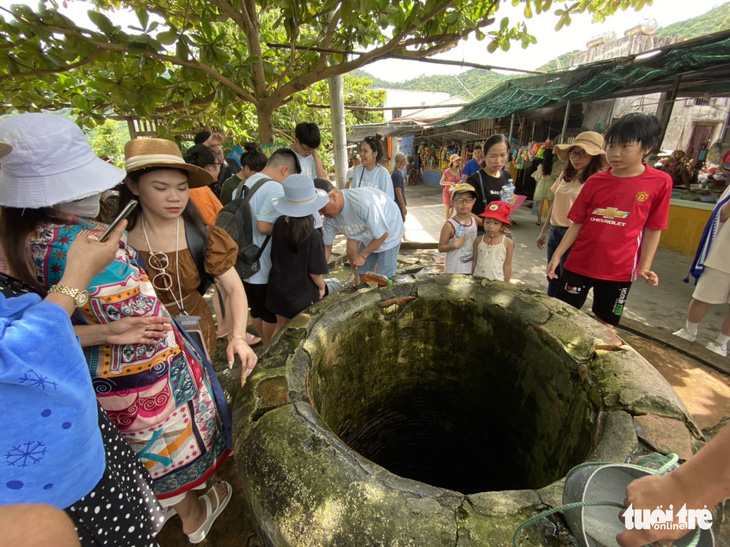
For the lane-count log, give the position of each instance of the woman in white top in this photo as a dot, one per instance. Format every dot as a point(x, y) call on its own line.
point(370, 172)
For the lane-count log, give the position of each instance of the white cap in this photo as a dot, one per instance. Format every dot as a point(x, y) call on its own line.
point(51, 163)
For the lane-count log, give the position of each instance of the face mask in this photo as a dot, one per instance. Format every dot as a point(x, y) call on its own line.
point(87, 207)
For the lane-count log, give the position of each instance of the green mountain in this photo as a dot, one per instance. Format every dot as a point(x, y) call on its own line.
point(473, 83)
point(469, 85)
point(714, 20)
point(561, 62)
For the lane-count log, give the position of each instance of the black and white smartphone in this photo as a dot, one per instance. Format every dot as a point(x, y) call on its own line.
point(120, 217)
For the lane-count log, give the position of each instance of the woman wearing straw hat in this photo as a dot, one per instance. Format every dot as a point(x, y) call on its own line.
point(158, 393)
point(585, 157)
point(298, 262)
point(160, 228)
point(451, 176)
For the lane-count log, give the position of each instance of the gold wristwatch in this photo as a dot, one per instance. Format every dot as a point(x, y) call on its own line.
point(80, 296)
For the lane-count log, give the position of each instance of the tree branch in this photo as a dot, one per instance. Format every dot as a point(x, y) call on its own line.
point(305, 80)
point(251, 30)
point(204, 101)
point(36, 72)
point(227, 9)
point(12, 45)
point(332, 27)
point(119, 48)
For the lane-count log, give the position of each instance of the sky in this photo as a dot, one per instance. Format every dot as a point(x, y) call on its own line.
point(550, 43)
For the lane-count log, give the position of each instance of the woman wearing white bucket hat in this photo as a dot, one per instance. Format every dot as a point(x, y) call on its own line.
point(167, 406)
point(63, 418)
point(297, 251)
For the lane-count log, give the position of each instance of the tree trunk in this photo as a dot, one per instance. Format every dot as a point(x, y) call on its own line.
point(265, 112)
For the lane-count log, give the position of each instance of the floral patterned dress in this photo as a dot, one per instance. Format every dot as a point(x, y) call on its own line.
point(168, 407)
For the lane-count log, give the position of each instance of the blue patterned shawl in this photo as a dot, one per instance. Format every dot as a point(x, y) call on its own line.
point(708, 237)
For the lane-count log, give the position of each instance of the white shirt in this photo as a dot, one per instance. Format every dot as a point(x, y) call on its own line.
point(309, 167)
point(376, 178)
point(368, 213)
point(267, 192)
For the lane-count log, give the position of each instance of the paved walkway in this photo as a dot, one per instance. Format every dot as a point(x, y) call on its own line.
point(664, 306)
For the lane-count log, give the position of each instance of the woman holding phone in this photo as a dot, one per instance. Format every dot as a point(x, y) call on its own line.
point(160, 229)
point(160, 394)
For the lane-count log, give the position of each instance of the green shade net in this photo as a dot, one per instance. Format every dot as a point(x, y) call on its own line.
point(703, 64)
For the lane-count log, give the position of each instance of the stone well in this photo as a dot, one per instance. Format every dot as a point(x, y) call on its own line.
point(443, 410)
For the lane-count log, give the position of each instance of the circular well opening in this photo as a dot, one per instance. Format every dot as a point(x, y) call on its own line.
point(455, 393)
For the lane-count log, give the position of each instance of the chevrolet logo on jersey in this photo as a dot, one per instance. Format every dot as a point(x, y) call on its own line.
point(610, 213)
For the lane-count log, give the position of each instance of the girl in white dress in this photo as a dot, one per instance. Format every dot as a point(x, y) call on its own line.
point(493, 251)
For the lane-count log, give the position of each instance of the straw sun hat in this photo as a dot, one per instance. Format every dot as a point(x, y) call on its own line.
point(301, 198)
point(144, 153)
point(590, 141)
point(50, 163)
point(453, 158)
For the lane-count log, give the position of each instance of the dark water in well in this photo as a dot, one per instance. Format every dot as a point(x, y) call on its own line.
point(431, 438)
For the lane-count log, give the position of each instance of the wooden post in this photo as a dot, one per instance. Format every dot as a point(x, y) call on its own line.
point(565, 123)
point(664, 109)
point(511, 128)
point(339, 138)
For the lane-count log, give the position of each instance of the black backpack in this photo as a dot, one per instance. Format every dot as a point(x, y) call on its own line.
point(236, 219)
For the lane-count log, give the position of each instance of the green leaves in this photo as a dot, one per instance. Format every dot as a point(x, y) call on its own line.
point(102, 21)
point(167, 37)
point(79, 102)
point(193, 58)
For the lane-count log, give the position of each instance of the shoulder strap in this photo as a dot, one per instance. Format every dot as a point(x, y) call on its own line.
point(251, 191)
point(248, 228)
point(197, 243)
point(481, 185)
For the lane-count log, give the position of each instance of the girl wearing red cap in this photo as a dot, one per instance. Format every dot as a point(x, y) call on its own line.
point(493, 250)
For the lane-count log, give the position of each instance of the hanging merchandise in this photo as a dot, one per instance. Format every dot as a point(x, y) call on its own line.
point(522, 156)
point(726, 162)
point(534, 149)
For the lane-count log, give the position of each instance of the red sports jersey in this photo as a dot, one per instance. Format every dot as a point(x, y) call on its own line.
point(613, 212)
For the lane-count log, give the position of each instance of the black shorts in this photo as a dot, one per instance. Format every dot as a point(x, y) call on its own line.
point(256, 295)
point(609, 297)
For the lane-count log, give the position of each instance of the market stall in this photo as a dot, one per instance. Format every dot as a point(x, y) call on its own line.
point(688, 215)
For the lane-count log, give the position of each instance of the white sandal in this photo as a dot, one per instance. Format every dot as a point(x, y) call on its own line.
point(210, 514)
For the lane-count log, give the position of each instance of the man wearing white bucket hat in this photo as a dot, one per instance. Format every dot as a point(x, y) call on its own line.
point(298, 262)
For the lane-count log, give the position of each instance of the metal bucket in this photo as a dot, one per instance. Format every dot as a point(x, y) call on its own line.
point(598, 526)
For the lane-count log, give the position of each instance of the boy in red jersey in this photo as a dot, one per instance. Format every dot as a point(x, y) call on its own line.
point(616, 222)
